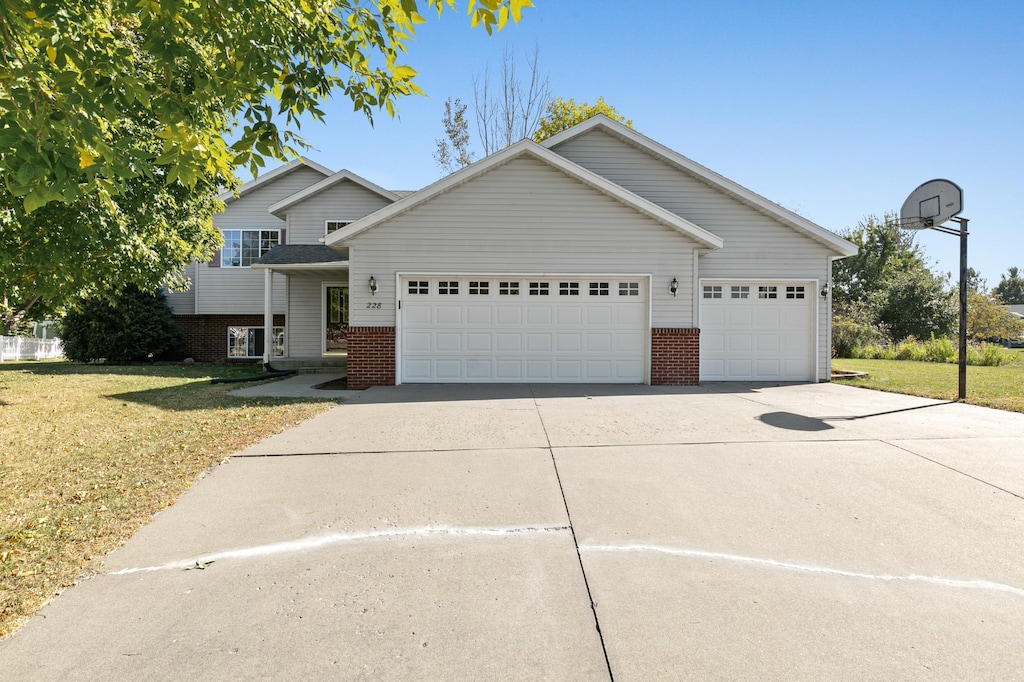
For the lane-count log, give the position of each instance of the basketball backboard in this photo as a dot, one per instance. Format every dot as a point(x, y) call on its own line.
point(931, 204)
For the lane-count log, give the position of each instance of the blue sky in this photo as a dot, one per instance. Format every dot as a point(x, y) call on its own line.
point(835, 110)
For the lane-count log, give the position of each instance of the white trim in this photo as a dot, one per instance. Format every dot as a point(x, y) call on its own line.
point(270, 176)
point(746, 196)
point(246, 229)
point(648, 277)
point(286, 203)
point(705, 239)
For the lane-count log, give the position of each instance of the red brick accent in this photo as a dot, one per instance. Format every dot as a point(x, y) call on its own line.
point(675, 357)
point(206, 336)
point(371, 357)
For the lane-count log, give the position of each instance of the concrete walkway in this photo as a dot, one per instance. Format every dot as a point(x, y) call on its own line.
point(566, 532)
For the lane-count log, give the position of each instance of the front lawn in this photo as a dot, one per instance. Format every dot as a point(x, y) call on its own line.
point(999, 387)
point(89, 453)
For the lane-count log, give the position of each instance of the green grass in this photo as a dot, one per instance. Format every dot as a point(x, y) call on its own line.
point(998, 387)
point(89, 453)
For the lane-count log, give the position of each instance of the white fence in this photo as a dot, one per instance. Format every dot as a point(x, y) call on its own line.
point(29, 348)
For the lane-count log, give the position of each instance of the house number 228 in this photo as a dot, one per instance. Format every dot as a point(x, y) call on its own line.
point(373, 306)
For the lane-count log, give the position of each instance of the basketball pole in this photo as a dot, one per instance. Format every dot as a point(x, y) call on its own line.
point(962, 383)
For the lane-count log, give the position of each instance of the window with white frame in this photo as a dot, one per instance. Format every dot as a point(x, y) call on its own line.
point(334, 225)
point(712, 291)
point(418, 287)
point(568, 288)
point(243, 247)
point(247, 342)
point(599, 288)
point(767, 291)
point(508, 288)
point(479, 288)
point(539, 288)
point(450, 288)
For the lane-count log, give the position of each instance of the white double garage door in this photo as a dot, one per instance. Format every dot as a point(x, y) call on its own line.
point(508, 329)
point(754, 330)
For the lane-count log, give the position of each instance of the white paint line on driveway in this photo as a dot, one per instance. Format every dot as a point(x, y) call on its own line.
point(314, 542)
point(771, 563)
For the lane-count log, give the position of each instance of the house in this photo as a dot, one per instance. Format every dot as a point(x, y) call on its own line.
point(598, 255)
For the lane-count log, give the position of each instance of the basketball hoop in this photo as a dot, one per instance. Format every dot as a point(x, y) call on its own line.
point(928, 207)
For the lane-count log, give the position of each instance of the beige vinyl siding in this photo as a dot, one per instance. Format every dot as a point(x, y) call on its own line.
point(523, 217)
point(305, 317)
point(184, 302)
point(344, 201)
point(240, 290)
point(756, 245)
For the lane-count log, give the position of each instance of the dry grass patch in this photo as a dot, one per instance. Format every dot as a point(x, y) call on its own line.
point(88, 454)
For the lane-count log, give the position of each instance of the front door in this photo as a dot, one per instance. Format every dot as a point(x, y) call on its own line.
point(336, 320)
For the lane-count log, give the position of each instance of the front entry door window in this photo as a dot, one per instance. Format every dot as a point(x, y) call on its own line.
point(336, 327)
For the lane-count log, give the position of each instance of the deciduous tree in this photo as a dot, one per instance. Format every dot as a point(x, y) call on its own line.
point(510, 110)
point(1010, 289)
point(988, 319)
point(561, 114)
point(890, 278)
point(452, 151)
point(247, 70)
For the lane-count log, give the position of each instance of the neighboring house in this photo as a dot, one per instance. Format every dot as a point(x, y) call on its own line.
point(596, 256)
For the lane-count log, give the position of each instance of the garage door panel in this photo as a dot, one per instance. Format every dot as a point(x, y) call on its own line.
point(448, 314)
point(755, 339)
point(508, 342)
point(479, 341)
point(569, 315)
point(516, 337)
point(448, 342)
point(508, 315)
point(539, 316)
point(479, 314)
point(538, 343)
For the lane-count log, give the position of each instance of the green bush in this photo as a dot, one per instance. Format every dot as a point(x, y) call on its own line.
point(942, 349)
point(854, 329)
point(134, 325)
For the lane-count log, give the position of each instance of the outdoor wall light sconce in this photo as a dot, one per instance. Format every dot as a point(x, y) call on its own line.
point(673, 286)
point(373, 285)
point(824, 292)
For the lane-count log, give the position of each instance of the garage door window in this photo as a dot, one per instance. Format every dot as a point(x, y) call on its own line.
point(712, 291)
point(539, 288)
point(739, 292)
point(794, 292)
point(599, 288)
point(448, 288)
point(568, 288)
point(767, 292)
point(418, 288)
point(629, 288)
point(479, 288)
point(508, 288)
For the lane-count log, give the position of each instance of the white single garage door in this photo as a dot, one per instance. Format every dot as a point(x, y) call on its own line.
point(508, 329)
point(756, 331)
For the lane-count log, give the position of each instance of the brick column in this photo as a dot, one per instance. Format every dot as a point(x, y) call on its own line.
point(371, 357)
point(675, 357)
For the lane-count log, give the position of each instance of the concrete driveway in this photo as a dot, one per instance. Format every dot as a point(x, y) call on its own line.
point(564, 533)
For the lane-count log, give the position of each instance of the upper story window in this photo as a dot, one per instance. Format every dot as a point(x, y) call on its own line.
point(335, 225)
point(242, 247)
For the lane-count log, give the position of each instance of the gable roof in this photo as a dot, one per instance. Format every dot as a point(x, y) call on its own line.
point(282, 206)
point(709, 177)
point(529, 148)
point(270, 176)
